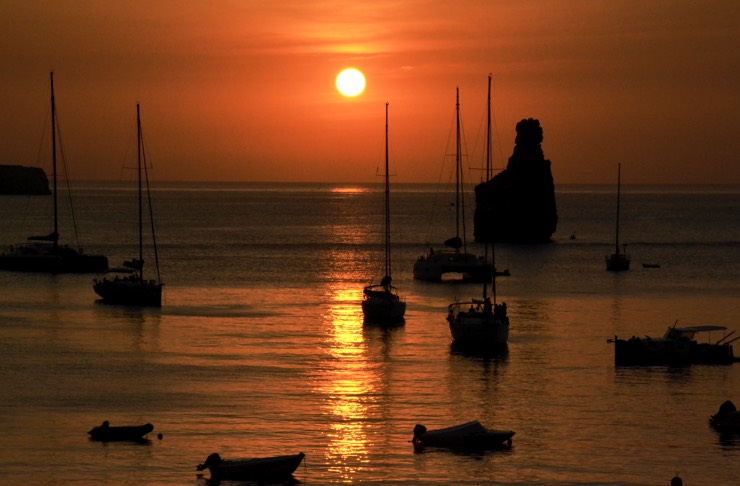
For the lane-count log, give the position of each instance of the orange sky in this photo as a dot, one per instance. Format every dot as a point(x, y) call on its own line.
point(244, 90)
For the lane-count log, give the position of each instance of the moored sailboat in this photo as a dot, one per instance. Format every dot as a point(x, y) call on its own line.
point(481, 323)
point(381, 303)
point(44, 254)
point(455, 257)
point(134, 289)
point(618, 261)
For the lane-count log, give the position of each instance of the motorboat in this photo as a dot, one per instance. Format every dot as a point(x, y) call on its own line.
point(678, 346)
point(467, 436)
point(275, 467)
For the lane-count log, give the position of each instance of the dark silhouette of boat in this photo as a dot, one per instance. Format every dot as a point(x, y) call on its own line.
point(44, 254)
point(134, 289)
point(107, 433)
point(618, 261)
point(381, 303)
point(468, 436)
point(455, 257)
point(481, 323)
point(273, 468)
point(678, 346)
point(727, 419)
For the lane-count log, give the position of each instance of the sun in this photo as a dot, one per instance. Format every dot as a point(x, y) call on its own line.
point(350, 82)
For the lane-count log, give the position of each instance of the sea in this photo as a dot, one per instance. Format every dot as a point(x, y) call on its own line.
point(260, 348)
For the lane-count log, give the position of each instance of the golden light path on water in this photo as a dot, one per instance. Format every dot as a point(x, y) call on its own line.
point(346, 378)
point(351, 381)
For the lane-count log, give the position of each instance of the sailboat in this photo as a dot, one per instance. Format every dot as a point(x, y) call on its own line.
point(482, 323)
point(454, 258)
point(618, 261)
point(44, 254)
point(134, 289)
point(381, 303)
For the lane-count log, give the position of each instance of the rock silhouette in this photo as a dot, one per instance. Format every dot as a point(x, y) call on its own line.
point(18, 180)
point(518, 204)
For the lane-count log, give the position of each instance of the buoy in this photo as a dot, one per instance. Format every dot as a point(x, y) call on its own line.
point(159, 436)
point(676, 481)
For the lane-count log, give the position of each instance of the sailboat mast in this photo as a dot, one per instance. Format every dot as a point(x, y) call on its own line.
point(458, 165)
point(54, 161)
point(387, 203)
point(138, 173)
point(619, 185)
point(489, 147)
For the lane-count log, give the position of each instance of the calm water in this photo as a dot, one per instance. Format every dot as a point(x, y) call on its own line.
point(260, 348)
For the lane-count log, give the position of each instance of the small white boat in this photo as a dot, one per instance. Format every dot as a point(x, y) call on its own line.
point(251, 469)
point(470, 435)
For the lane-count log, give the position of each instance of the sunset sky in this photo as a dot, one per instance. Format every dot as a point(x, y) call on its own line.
point(244, 90)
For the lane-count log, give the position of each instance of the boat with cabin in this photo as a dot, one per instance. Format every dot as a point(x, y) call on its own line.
point(44, 253)
point(481, 323)
point(454, 258)
point(381, 303)
point(678, 346)
point(133, 289)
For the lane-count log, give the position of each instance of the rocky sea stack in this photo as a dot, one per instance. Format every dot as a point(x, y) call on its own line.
point(18, 180)
point(518, 204)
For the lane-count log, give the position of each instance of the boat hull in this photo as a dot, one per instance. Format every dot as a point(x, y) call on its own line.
point(467, 436)
point(478, 326)
point(42, 259)
point(252, 469)
point(129, 291)
point(106, 433)
point(436, 264)
point(382, 306)
point(618, 262)
point(646, 352)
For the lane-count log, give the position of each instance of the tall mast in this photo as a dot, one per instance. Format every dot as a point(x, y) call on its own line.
point(619, 185)
point(489, 150)
point(54, 161)
point(138, 145)
point(387, 203)
point(488, 135)
point(457, 163)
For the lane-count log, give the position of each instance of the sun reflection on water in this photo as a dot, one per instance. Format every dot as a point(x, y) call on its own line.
point(347, 383)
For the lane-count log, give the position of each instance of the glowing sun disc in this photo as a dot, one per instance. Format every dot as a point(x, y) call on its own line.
point(350, 82)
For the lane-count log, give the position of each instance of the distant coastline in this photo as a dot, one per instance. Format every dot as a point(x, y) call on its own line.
point(23, 181)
